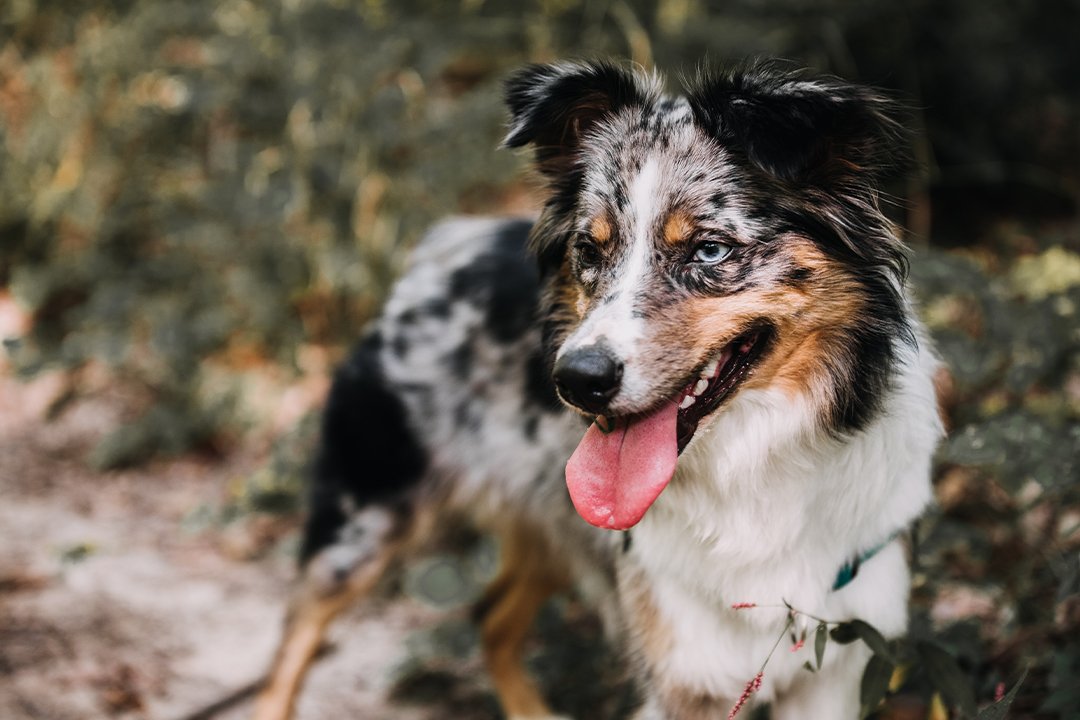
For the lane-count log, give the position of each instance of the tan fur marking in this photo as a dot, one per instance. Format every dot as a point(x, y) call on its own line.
point(655, 639)
point(529, 576)
point(600, 229)
point(835, 305)
point(678, 229)
point(654, 634)
point(688, 704)
point(570, 296)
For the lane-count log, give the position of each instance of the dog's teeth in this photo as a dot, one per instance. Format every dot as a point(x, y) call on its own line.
point(710, 369)
point(700, 385)
point(687, 402)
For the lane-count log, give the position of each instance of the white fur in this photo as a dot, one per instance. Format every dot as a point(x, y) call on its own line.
point(765, 508)
point(613, 323)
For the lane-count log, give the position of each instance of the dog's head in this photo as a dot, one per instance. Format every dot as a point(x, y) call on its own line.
point(696, 248)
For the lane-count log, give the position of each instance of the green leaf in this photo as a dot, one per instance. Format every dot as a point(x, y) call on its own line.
point(874, 639)
point(997, 710)
point(844, 633)
point(820, 638)
point(875, 683)
point(809, 667)
point(948, 678)
point(1062, 701)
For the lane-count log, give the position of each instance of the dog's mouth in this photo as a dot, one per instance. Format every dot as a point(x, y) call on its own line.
point(716, 382)
point(623, 463)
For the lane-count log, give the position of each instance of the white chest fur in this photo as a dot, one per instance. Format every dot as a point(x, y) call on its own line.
point(766, 509)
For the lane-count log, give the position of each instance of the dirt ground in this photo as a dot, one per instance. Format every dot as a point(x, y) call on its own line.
point(147, 593)
point(111, 605)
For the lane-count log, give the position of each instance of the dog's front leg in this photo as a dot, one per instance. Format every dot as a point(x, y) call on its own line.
point(530, 575)
point(830, 694)
point(333, 580)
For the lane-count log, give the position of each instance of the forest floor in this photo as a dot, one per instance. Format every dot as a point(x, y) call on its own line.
point(113, 603)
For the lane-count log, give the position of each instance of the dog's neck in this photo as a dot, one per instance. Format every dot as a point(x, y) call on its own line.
point(764, 487)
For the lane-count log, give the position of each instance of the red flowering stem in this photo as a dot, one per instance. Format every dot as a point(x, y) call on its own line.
point(755, 684)
point(751, 687)
point(798, 646)
point(999, 692)
point(743, 606)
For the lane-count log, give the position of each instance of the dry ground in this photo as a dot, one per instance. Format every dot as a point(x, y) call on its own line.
point(113, 605)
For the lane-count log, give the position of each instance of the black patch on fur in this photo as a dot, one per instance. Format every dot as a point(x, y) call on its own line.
point(400, 345)
point(368, 452)
point(793, 125)
point(465, 416)
point(437, 308)
point(796, 276)
point(621, 199)
point(532, 423)
point(504, 282)
point(547, 244)
point(552, 106)
point(539, 387)
point(460, 360)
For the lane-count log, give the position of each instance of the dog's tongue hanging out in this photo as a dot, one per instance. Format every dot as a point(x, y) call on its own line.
point(613, 478)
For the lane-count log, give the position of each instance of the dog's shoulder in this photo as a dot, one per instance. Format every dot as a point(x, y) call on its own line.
point(463, 340)
point(464, 318)
point(472, 265)
point(450, 381)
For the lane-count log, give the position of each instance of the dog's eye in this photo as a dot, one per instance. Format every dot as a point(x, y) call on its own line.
point(588, 255)
point(711, 252)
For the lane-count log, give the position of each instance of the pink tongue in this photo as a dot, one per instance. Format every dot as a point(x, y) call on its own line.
point(614, 478)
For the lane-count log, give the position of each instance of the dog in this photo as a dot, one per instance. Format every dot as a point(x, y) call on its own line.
point(695, 383)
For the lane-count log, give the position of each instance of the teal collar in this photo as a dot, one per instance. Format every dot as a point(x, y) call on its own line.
point(851, 567)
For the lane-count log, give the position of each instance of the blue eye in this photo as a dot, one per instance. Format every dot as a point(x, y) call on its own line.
point(711, 252)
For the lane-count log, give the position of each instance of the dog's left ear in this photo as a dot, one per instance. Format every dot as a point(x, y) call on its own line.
point(553, 106)
point(806, 130)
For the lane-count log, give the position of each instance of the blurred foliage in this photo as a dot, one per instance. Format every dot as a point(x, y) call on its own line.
point(210, 199)
point(190, 190)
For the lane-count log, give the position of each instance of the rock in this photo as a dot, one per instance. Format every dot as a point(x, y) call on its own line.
point(1018, 446)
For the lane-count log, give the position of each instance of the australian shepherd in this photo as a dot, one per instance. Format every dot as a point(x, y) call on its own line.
point(695, 382)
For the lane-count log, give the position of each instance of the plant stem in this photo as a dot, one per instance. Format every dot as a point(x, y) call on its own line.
point(798, 612)
point(790, 621)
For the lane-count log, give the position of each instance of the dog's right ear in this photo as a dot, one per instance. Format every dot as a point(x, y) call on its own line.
point(553, 106)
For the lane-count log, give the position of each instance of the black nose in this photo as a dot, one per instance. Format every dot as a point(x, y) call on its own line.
point(588, 377)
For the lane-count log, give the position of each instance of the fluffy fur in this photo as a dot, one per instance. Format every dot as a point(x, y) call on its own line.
point(740, 224)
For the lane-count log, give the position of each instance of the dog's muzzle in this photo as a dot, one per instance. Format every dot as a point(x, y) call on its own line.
point(588, 377)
